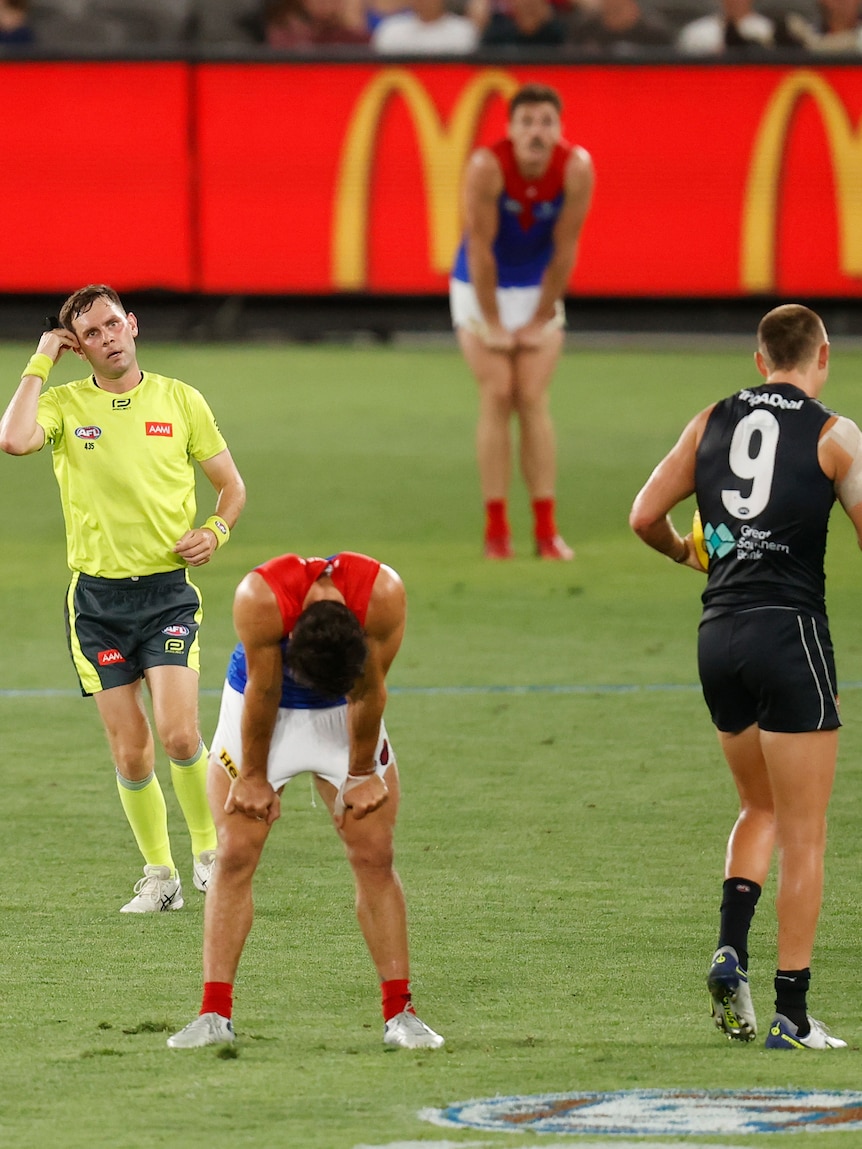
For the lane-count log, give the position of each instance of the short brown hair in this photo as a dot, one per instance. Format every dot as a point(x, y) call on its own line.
point(83, 299)
point(790, 336)
point(535, 94)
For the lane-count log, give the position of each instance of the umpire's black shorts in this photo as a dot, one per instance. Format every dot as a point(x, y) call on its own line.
point(119, 627)
point(769, 666)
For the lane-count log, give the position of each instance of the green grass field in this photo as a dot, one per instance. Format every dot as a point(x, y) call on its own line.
point(561, 848)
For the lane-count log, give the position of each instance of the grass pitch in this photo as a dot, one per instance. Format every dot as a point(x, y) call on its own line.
point(565, 806)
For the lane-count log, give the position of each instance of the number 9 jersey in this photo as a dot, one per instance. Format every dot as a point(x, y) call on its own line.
point(764, 501)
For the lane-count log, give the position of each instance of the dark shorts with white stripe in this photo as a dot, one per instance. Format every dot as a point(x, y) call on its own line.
point(770, 666)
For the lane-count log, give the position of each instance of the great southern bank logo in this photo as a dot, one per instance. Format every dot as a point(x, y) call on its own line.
point(719, 541)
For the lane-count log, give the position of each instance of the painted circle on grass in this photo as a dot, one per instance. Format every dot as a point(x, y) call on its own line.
point(660, 1112)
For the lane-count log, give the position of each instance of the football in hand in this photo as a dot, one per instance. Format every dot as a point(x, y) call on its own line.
point(699, 541)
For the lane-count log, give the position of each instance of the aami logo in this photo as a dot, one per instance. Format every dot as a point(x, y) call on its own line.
point(109, 657)
point(166, 430)
point(88, 432)
point(176, 631)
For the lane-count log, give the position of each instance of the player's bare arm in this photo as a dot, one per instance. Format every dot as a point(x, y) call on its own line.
point(258, 625)
point(384, 628)
point(483, 184)
point(839, 451)
point(20, 434)
point(198, 545)
point(670, 483)
point(579, 185)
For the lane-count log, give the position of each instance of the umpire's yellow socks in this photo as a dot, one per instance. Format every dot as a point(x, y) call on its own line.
point(144, 804)
point(190, 786)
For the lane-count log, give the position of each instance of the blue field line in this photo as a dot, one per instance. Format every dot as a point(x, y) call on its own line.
point(550, 688)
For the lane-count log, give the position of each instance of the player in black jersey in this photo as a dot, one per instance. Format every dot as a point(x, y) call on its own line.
point(766, 465)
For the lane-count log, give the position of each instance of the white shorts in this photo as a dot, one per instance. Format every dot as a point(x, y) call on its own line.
point(303, 742)
point(516, 305)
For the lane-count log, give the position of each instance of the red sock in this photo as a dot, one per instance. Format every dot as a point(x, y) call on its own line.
point(218, 998)
point(545, 526)
point(396, 997)
point(496, 519)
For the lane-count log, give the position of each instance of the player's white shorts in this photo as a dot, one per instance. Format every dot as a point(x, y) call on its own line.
point(516, 305)
point(304, 741)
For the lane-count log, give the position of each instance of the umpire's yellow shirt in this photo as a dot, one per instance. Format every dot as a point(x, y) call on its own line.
point(124, 467)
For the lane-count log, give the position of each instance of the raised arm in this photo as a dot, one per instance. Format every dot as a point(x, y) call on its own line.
point(20, 434)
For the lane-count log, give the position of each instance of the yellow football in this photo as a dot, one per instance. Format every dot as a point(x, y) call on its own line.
point(698, 540)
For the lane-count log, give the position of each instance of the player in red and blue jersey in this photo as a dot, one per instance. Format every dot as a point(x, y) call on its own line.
point(525, 200)
point(305, 693)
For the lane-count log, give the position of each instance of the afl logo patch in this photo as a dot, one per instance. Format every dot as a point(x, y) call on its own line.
point(88, 432)
point(176, 631)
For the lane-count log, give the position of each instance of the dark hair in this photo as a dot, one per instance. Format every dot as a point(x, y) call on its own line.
point(83, 299)
point(327, 648)
point(789, 336)
point(535, 94)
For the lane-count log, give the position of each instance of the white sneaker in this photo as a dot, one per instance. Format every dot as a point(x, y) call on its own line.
point(203, 870)
point(206, 1029)
point(155, 892)
point(406, 1031)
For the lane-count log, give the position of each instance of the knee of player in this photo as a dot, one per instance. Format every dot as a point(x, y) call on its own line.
point(529, 402)
point(181, 744)
point(237, 854)
point(131, 761)
point(499, 398)
point(758, 807)
point(372, 858)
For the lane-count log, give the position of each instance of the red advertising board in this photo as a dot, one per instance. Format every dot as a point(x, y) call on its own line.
point(319, 178)
point(95, 175)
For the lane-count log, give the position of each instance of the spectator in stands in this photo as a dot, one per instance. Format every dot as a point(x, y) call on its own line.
point(479, 11)
point(374, 11)
point(735, 26)
point(310, 24)
point(14, 23)
point(617, 26)
point(429, 28)
point(838, 30)
point(525, 23)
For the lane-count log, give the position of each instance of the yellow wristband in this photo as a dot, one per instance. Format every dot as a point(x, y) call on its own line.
point(39, 365)
point(219, 528)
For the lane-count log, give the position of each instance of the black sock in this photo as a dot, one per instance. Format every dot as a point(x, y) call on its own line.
point(791, 990)
point(739, 898)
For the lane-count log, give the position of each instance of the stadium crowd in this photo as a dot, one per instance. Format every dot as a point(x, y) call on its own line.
point(573, 28)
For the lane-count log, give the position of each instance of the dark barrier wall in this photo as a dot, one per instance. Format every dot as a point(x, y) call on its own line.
point(712, 181)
